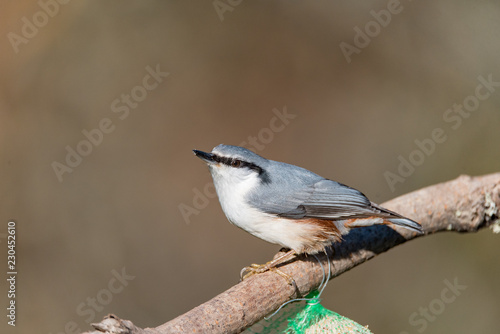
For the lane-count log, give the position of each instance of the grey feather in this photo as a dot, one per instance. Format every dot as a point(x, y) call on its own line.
point(304, 194)
point(293, 192)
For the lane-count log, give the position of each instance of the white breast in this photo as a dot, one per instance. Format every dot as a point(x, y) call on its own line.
point(232, 189)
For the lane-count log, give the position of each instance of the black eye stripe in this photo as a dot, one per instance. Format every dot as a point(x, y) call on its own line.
point(224, 160)
point(237, 163)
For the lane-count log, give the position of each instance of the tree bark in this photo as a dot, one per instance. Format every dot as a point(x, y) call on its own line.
point(465, 204)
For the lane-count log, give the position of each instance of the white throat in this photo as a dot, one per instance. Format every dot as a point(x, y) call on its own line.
point(232, 189)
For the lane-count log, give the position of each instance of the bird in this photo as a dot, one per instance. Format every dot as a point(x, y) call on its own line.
point(290, 206)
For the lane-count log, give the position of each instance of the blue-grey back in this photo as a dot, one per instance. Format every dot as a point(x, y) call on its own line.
point(290, 191)
point(285, 187)
point(294, 192)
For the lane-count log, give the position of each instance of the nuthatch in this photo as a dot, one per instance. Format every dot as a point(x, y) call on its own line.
point(289, 205)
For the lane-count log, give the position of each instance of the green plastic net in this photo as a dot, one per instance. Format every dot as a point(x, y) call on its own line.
point(307, 317)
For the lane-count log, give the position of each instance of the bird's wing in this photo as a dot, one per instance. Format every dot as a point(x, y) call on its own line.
point(326, 199)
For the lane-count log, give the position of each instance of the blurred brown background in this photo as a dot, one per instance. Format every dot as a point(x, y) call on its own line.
point(120, 207)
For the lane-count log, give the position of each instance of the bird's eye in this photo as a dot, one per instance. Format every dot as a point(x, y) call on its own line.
point(236, 163)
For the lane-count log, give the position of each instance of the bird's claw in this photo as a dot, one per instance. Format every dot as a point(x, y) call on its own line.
point(261, 268)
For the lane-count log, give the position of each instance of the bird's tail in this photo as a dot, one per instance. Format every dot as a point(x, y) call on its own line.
point(382, 216)
point(407, 223)
point(385, 220)
point(397, 219)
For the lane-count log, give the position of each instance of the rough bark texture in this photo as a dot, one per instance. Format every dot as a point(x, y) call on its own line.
point(465, 204)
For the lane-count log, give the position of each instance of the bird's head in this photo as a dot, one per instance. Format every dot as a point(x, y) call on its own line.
point(234, 164)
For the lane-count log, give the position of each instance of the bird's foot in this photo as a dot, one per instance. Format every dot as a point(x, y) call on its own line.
point(261, 268)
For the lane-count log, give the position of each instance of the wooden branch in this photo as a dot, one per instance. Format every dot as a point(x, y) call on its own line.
point(465, 204)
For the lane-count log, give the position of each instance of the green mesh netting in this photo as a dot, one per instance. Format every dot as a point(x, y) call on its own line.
point(309, 318)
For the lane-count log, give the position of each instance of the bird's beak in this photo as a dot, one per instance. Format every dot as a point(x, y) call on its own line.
point(207, 157)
